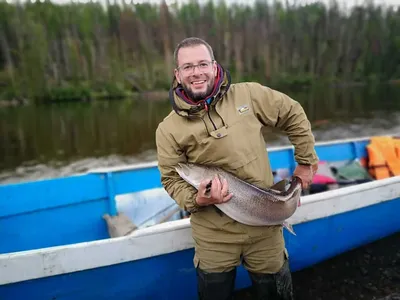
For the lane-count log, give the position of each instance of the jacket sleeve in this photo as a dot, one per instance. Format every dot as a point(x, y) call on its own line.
point(276, 109)
point(168, 156)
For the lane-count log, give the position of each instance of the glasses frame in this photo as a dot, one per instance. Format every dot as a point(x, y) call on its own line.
point(192, 68)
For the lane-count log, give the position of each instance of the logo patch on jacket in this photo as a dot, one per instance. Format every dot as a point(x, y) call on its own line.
point(243, 109)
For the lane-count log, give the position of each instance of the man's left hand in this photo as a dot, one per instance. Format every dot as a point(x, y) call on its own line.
point(306, 174)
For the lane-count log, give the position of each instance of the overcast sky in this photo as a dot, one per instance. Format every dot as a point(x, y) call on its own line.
point(349, 2)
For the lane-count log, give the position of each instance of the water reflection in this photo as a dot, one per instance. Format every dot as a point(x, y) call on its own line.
point(58, 140)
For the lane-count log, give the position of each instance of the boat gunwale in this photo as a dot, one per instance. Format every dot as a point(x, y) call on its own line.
point(185, 223)
point(51, 261)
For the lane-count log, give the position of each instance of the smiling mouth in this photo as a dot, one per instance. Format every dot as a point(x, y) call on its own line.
point(198, 82)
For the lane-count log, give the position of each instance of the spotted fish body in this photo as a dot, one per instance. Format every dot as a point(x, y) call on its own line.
point(249, 204)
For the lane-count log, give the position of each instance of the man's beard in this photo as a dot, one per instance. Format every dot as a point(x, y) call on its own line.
point(198, 96)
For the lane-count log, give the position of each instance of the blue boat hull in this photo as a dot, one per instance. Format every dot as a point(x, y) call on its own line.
point(172, 276)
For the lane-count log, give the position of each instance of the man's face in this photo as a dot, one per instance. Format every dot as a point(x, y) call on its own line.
point(196, 71)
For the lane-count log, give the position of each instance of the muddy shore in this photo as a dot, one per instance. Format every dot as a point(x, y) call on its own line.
point(371, 272)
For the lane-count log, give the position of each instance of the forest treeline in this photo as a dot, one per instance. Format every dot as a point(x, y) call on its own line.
point(50, 51)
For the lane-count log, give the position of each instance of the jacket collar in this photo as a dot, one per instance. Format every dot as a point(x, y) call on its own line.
point(185, 107)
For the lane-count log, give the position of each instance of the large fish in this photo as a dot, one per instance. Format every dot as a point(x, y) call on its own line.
point(249, 204)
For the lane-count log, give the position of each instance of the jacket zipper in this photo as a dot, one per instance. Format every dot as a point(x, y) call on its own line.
point(208, 113)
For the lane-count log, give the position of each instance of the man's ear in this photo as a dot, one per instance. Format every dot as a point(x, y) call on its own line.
point(177, 77)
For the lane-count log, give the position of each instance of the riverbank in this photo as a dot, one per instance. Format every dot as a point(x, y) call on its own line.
point(371, 272)
point(113, 92)
point(63, 95)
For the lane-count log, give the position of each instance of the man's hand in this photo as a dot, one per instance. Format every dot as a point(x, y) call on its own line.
point(213, 192)
point(306, 174)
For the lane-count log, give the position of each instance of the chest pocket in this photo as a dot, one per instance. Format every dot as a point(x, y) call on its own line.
point(230, 147)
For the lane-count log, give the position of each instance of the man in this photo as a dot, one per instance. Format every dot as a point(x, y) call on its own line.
point(218, 123)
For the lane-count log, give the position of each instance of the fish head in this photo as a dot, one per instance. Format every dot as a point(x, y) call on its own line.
point(192, 173)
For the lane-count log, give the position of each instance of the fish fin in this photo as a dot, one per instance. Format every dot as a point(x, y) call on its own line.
point(289, 227)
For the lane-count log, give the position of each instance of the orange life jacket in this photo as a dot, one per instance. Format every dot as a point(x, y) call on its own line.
point(384, 157)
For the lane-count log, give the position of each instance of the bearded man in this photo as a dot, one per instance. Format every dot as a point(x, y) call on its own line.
point(217, 123)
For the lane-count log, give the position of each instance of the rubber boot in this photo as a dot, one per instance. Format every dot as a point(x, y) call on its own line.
point(215, 286)
point(276, 286)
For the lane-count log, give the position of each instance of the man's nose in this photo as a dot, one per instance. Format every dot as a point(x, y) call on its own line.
point(196, 70)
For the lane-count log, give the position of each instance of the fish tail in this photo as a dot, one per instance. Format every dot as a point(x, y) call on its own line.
point(289, 227)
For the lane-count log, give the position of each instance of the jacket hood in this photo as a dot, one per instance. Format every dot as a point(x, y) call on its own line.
point(186, 107)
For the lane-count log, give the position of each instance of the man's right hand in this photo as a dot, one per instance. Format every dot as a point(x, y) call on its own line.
point(218, 193)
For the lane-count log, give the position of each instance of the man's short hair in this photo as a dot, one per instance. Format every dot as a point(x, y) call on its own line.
point(191, 42)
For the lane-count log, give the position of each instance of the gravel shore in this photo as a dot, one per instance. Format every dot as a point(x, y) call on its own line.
point(371, 272)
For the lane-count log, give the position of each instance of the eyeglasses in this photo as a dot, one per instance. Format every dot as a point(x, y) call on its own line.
point(189, 69)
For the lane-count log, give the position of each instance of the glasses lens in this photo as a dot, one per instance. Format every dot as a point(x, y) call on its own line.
point(189, 69)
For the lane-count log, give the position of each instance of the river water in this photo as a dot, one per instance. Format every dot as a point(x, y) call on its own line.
point(58, 140)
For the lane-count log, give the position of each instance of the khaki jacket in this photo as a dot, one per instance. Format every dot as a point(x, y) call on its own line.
point(228, 134)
